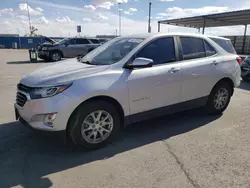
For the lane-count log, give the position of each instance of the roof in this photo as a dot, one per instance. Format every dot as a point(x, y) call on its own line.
point(153, 35)
point(240, 17)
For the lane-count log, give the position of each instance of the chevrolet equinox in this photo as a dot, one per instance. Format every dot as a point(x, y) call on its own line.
point(126, 80)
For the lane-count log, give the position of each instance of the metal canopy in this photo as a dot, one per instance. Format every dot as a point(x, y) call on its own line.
point(241, 17)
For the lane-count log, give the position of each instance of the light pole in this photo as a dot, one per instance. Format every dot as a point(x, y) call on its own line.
point(120, 26)
point(28, 16)
point(149, 18)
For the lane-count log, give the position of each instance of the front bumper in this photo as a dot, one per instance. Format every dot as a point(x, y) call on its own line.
point(245, 71)
point(34, 111)
point(43, 54)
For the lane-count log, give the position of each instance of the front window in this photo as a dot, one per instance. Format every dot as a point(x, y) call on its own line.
point(95, 41)
point(111, 52)
point(63, 41)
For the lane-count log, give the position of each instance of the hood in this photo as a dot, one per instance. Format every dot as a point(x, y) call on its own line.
point(49, 40)
point(60, 73)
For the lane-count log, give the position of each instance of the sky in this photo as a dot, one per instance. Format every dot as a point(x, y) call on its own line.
point(60, 17)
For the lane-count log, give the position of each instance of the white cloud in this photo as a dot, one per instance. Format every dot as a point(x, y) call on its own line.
point(99, 16)
point(106, 5)
point(23, 7)
point(90, 7)
point(177, 12)
point(130, 11)
point(39, 9)
point(166, 0)
point(7, 11)
point(41, 21)
point(86, 20)
point(22, 17)
point(64, 20)
point(111, 1)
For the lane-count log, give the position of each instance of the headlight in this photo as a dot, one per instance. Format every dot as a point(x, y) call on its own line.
point(48, 91)
point(45, 48)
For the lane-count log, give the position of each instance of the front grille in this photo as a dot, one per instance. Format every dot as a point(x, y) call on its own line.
point(24, 88)
point(20, 99)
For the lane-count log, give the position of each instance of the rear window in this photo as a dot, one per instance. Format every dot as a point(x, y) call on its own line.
point(225, 44)
point(95, 41)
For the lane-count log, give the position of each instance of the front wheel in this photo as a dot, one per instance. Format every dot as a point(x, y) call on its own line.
point(219, 98)
point(55, 56)
point(94, 124)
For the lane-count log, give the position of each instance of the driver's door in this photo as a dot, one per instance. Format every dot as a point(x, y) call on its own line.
point(157, 86)
point(70, 49)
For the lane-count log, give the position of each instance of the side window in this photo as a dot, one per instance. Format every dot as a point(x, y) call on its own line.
point(72, 41)
point(160, 51)
point(209, 49)
point(192, 48)
point(82, 41)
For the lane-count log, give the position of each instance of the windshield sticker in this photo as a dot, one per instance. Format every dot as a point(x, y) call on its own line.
point(135, 40)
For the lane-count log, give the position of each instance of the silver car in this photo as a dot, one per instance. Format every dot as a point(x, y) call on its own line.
point(126, 80)
point(69, 47)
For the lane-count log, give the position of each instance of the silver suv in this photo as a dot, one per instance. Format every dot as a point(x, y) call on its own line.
point(69, 47)
point(126, 80)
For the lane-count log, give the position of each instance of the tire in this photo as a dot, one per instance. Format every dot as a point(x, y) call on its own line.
point(245, 78)
point(212, 107)
point(55, 56)
point(82, 119)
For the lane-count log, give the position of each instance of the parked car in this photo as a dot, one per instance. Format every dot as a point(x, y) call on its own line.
point(245, 69)
point(68, 47)
point(126, 80)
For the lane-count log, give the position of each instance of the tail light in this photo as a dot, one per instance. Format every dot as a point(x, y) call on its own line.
point(239, 60)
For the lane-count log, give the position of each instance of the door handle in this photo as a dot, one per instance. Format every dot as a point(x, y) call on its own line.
point(215, 63)
point(174, 70)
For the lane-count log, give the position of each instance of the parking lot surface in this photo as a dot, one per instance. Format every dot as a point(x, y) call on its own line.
point(188, 149)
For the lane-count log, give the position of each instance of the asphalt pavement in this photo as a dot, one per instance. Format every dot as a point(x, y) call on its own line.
point(187, 149)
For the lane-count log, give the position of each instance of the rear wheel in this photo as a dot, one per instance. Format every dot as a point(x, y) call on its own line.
point(219, 98)
point(94, 124)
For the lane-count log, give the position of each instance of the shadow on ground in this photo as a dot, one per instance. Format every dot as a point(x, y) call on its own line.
point(25, 62)
point(26, 156)
point(245, 85)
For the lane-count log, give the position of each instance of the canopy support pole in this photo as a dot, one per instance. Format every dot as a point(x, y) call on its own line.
point(204, 25)
point(244, 39)
point(159, 27)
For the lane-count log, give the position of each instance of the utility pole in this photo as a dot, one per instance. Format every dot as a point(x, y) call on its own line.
point(28, 16)
point(120, 26)
point(149, 18)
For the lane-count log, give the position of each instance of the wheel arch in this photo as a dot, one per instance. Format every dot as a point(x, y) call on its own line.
point(57, 50)
point(227, 80)
point(109, 99)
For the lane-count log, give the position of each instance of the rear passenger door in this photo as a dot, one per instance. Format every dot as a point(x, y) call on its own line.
point(82, 46)
point(198, 57)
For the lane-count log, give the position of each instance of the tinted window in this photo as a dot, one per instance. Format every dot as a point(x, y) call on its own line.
point(225, 44)
point(160, 51)
point(82, 41)
point(209, 49)
point(72, 41)
point(95, 41)
point(192, 48)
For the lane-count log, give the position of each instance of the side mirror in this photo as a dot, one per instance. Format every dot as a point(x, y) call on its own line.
point(140, 63)
point(66, 44)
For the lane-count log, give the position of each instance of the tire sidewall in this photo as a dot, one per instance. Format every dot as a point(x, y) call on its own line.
point(82, 112)
point(55, 52)
point(210, 104)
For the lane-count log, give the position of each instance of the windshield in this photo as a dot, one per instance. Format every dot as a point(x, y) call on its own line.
point(63, 41)
point(112, 51)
